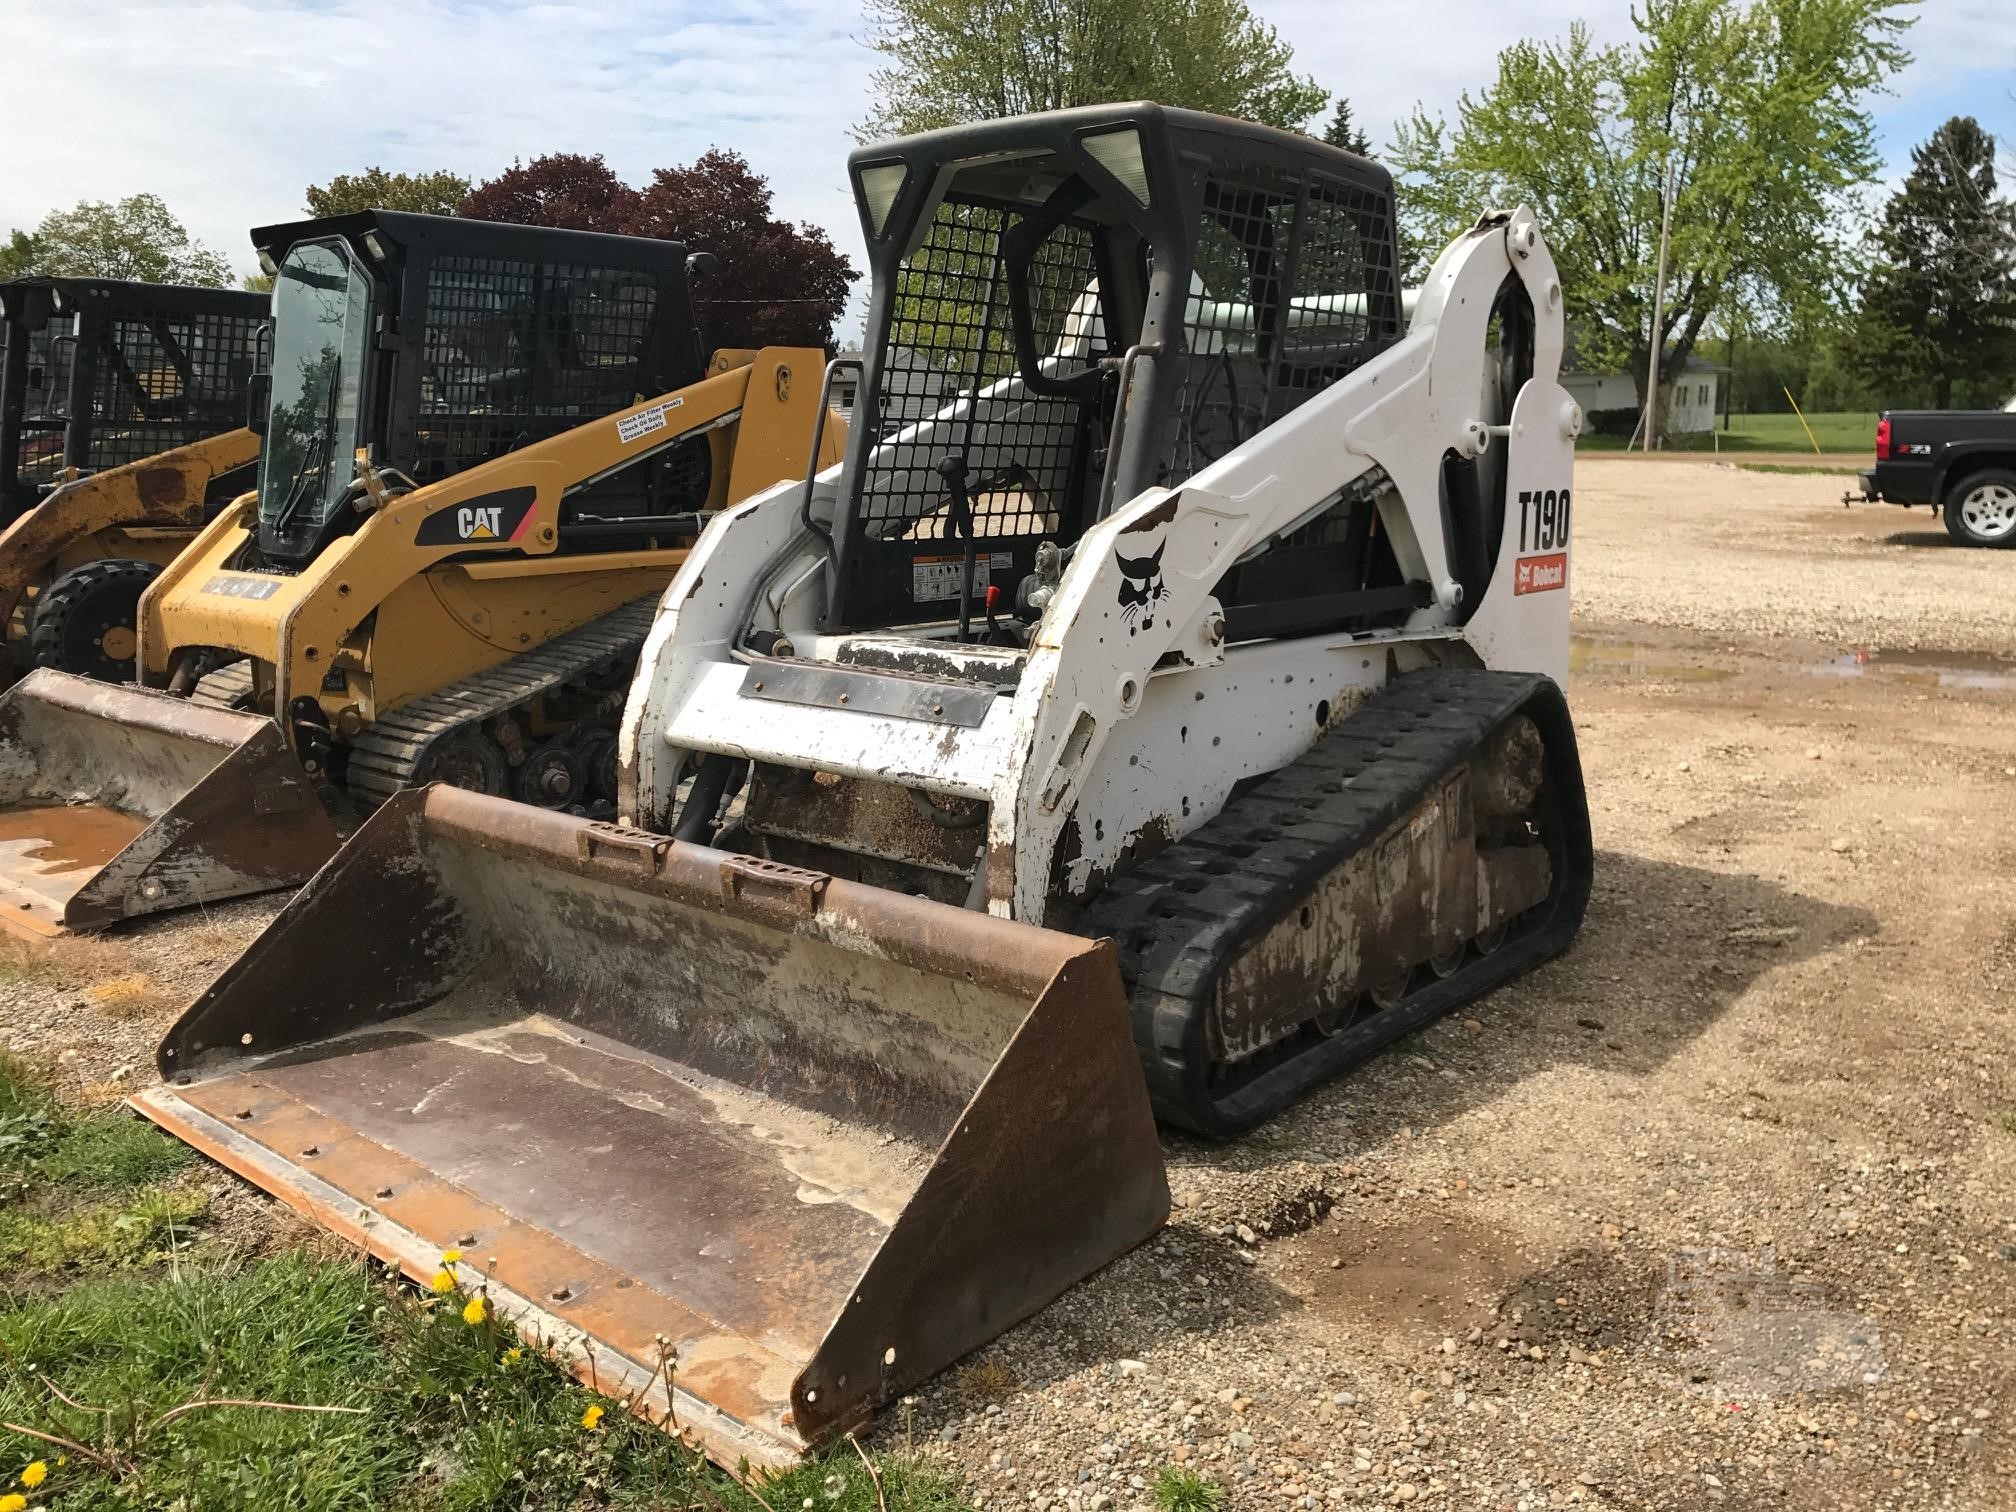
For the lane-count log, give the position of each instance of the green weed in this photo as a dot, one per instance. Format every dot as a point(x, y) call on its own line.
point(99, 1236)
point(1181, 1489)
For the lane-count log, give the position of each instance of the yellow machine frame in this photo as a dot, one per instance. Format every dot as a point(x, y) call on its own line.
point(446, 612)
point(144, 511)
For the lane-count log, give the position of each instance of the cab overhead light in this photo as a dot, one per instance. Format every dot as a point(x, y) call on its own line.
point(375, 246)
point(881, 183)
point(1120, 154)
point(266, 264)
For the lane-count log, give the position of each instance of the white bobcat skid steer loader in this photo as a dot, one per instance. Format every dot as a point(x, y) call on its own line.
point(1171, 591)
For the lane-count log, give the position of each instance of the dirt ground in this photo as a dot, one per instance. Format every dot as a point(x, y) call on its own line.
point(1717, 1210)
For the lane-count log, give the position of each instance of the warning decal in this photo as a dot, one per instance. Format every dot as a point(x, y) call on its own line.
point(1538, 574)
point(936, 578)
point(230, 585)
point(631, 427)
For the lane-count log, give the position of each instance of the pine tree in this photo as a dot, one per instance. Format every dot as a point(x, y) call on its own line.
point(1939, 311)
point(1345, 132)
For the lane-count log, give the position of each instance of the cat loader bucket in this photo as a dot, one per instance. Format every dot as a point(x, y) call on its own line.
point(116, 801)
point(803, 1141)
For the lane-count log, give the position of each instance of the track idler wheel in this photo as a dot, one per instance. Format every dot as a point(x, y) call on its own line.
point(466, 759)
point(551, 776)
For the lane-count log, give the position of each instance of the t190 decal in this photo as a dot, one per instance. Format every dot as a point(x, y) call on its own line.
point(1543, 519)
point(1543, 529)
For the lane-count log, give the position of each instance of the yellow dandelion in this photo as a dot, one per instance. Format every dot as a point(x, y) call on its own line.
point(449, 1257)
point(36, 1473)
point(591, 1420)
point(13, 1501)
point(475, 1310)
point(513, 1355)
point(443, 1282)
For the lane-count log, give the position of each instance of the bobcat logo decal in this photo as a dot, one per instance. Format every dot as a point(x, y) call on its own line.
point(1141, 590)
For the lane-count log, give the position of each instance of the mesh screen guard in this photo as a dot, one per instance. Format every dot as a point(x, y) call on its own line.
point(166, 378)
point(519, 351)
point(1279, 277)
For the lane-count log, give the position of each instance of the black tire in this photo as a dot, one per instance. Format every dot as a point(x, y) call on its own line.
point(1980, 509)
point(84, 622)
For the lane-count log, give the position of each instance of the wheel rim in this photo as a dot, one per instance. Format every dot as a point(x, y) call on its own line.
point(1990, 511)
point(551, 777)
point(1387, 994)
point(466, 761)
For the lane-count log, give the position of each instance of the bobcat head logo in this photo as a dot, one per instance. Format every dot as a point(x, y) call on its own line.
point(1141, 590)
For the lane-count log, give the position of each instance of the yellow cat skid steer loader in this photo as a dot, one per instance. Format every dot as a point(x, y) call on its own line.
point(122, 429)
point(465, 508)
point(1259, 760)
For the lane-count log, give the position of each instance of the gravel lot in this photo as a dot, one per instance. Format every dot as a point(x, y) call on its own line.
point(1715, 1211)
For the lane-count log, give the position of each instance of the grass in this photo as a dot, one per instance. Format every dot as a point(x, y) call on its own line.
point(42, 1143)
point(1181, 1489)
point(2006, 1120)
point(1839, 432)
point(434, 1415)
point(161, 1373)
point(1815, 471)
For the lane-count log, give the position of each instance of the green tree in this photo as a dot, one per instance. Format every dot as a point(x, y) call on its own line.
point(950, 61)
point(17, 257)
point(1343, 131)
point(1760, 108)
point(436, 193)
point(137, 238)
point(1939, 310)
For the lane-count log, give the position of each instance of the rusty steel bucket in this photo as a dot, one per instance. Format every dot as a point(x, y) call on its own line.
point(117, 801)
point(820, 1138)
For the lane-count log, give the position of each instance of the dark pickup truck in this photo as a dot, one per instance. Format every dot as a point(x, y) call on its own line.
point(1961, 462)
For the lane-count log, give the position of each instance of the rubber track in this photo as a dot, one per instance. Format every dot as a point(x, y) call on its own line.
point(384, 757)
point(1179, 919)
point(223, 688)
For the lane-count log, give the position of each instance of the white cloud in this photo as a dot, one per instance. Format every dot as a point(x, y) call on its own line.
point(229, 108)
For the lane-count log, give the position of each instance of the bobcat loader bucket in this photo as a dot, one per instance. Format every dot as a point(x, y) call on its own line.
point(821, 1138)
point(116, 801)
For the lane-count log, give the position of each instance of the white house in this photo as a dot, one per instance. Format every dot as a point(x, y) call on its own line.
point(1694, 396)
point(914, 387)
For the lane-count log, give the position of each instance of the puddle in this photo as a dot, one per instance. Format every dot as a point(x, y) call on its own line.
point(1586, 655)
point(1931, 669)
point(1940, 669)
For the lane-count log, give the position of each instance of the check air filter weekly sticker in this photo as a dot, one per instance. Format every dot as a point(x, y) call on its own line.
point(645, 421)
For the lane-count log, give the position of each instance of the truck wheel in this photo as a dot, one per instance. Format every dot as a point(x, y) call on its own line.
point(84, 622)
point(1982, 510)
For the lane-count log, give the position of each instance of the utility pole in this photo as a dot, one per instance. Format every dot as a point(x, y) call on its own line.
point(1658, 316)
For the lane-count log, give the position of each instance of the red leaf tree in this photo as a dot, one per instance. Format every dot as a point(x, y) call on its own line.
point(558, 189)
point(776, 284)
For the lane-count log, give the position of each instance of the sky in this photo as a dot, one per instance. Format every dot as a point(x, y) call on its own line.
point(228, 109)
